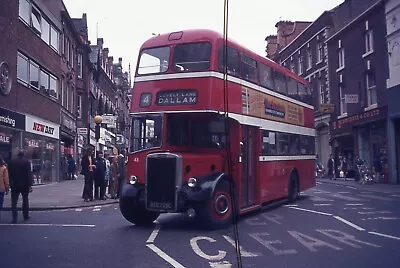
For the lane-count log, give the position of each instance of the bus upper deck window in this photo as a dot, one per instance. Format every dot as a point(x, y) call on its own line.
point(154, 60)
point(192, 57)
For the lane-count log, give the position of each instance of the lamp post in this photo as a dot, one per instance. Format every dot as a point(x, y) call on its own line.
point(97, 120)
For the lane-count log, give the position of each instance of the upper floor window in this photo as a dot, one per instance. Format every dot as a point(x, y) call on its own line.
point(192, 57)
point(154, 60)
point(39, 24)
point(300, 63)
point(341, 58)
point(343, 104)
point(292, 67)
point(320, 52)
point(80, 67)
point(249, 69)
point(309, 59)
point(371, 88)
point(232, 62)
point(369, 42)
point(265, 74)
point(321, 92)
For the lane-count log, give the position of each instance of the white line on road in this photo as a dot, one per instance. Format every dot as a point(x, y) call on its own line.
point(153, 235)
point(343, 192)
point(78, 210)
point(349, 223)
point(395, 195)
point(377, 197)
point(318, 182)
point(163, 255)
point(96, 209)
point(385, 235)
point(220, 264)
point(322, 204)
point(351, 187)
point(294, 205)
point(48, 225)
point(354, 204)
point(373, 212)
point(312, 211)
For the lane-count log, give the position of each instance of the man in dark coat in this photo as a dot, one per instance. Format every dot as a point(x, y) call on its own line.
point(21, 181)
point(100, 177)
point(88, 167)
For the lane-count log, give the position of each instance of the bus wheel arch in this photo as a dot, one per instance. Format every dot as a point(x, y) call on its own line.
point(135, 213)
point(294, 185)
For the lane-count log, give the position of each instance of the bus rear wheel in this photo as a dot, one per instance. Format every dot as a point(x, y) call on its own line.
point(294, 187)
point(135, 213)
point(218, 212)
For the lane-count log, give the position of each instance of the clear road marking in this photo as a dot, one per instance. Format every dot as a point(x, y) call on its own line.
point(351, 187)
point(243, 252)
point(367, 208)
point(347, 198)
point(153, 235)
point(322, 204)
point(343, 192)
point(96, 209)
point(385, 235)
point(354, 204)
point(220, 264)
point(216, 258)
point(312, 211)
point(384, 218)
point(294, 205)
point(321, 199)
point(395, 195)
point(349, 223)
point(377, 197)
point(318, 182)
point(78, 210)
point(163, 255)
point(373, 212)
point(320, 192)
point(48, 225)
point(366, 192)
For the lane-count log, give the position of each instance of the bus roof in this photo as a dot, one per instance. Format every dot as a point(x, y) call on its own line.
point(198, 35)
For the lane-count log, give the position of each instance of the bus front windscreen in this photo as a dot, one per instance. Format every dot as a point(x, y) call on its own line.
point(193, 57)
point(154, 60)
point(146, 132)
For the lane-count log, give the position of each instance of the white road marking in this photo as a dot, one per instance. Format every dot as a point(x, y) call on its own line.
point(367, 208)
point(243, 252)
point(320, 192)
point(349, 223)
point(322, 204)
point(163, 255)
point(220, 264)
point(320, 199)
point(96, 209)
point(294, 205)
point(366, 192)
point(385, 235)
point(78, 210)
point(318, 182)
point(153, 235)
point(214, 258)
point(347, 198)
point(373, 212)
point(343, 192)
point(48, 225)
point(351, 187)
point(384, 218)
point(377, 197)
point(312, 211)
point(354, 204)
point(97, 206)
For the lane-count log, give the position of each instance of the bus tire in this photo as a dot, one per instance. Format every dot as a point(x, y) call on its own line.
point(135, 213)
point(218, 212)
point(294, 187)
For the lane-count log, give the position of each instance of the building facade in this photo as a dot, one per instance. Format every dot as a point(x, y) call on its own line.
point(392, 10)
point(357, 54)
point(306, 56)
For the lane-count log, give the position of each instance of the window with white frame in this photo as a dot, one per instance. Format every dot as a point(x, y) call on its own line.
point(371, 88)
point(34, 72)
point(341, 58)
point(320, 52)
point(22, 68)
point(343, 105)
point(369, 42)
point(63, 91)
point(33, 17)
point(300, 63)
point(309, 59)
point(80, 67)
point(79, 107)
point(321, 92)
point(293, 67)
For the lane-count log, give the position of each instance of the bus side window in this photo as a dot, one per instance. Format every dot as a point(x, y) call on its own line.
point(280, 82)
point(292, 87)
point(304, 94)
point(248, 70)
point(265, 75)
point(268, 143)
point(232, 61)
point(283, 144)
point(294, 144)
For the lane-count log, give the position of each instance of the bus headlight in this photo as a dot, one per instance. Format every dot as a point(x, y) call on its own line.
point(192, 182)
point(133, 180)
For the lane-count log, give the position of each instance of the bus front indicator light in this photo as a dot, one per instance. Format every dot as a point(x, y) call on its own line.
point(133, 180)
point(192, 182)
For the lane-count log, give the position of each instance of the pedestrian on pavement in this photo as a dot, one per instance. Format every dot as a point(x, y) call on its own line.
point(71, 167)
point(88, 167)
point(107, 175)
point(331, 167)
point(114, 175)
point(21, 181)
point(100, 177)
point(4, 182)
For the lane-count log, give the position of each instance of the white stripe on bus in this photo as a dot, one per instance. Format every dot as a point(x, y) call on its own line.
point(220, 76)
point(285, 158)
point(253, 121)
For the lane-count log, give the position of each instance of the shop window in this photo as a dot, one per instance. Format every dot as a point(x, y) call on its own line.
point(232, 61)
point(22, 68)
point(265, 74)
point(268, 143)
point(248, 69)
point(280, 82)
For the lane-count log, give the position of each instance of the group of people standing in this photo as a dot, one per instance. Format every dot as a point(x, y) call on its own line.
point(102, 172)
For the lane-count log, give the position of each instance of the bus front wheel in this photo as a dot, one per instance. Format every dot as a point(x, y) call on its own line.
point(135, 213)
point(218, 212)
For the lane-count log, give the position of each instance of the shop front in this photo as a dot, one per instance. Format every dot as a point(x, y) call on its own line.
point(363, 135)
point(12, 125)
point(67, 142)
point(41, 144)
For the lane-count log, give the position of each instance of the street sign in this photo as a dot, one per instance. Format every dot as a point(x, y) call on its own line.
point(81, 131)
point(326, 108)
point(351, 98)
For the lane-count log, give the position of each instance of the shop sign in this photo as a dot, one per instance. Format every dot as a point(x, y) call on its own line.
point(327, 108)
point(92, 137)
point(41, 127)
point(109, 120)
point(50, 146)
point(119, 139)
point(81, 141)
point(5, 138)
point(68, 122)
point(102, 139)
point(351, 98)
point(82, 131)
point(32, 143)
point(12, 119)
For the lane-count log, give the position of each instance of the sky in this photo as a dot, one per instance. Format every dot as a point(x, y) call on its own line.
point(126, 24)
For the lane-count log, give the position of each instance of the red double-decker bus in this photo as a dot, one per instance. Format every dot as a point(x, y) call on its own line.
point(196, 97)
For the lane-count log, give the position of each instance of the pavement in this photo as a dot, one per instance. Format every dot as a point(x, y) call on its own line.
point(375, 187)
point(58, 195)
point(331, 225)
